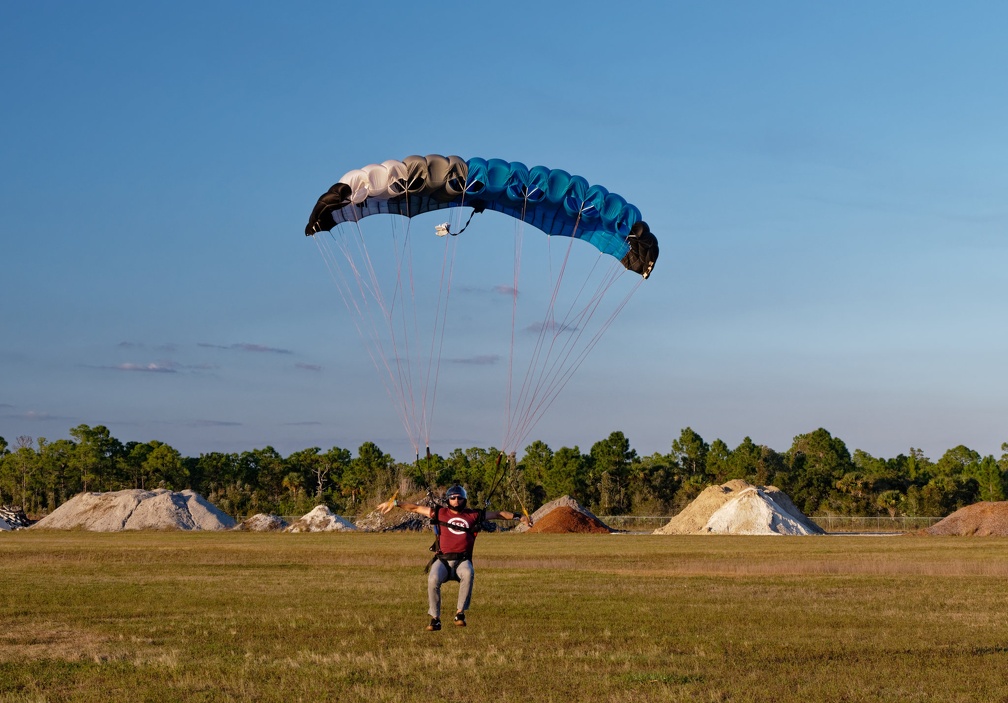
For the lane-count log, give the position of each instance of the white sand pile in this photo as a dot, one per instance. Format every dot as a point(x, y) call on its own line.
point(261, 522)
point(321, 519)
point(565, 501)
point(136, 509)
point(739, 508)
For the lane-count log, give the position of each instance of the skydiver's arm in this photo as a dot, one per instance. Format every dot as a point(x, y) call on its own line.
point(408, 507)
point(503, 515)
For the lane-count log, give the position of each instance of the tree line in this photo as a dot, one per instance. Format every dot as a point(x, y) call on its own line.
point(818, 472)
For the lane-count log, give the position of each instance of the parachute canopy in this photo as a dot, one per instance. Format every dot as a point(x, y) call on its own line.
point(550, 200)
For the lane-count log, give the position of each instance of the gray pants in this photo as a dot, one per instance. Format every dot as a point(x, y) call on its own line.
point(439, 573)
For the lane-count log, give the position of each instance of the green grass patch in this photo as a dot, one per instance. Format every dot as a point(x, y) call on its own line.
point(272, 617)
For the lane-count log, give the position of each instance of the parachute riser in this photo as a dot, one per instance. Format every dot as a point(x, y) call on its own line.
point(444, 228)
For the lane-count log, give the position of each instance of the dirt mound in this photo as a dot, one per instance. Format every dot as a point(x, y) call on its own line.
point(984, 519)
point(261, 522)
point(565, 519)
point(395, 521)
point(565, 501)
point(398, 520)
point(136, 509)
point(739, 508)
point(321, 519)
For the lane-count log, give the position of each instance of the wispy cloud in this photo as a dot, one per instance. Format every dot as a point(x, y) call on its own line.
point(152, 367)
point(214, 423)
point(307, 367)
point(31, 415)
point(507, 291)
point(141, 345)
point(478, 360)
point(550, 326)
point(156, 367)
point(245, 346)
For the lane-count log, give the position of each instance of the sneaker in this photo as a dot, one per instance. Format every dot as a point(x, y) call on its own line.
point(435, 625)
point(460, 619)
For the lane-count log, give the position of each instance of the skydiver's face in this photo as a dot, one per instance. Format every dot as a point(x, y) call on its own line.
point(455, 502)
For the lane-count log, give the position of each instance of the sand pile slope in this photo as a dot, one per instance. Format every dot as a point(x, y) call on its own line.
point(320, 519)
point(561, 502)
point(261, 522)
point(755, 512)
point(693, 518)
point(564, 519)
point(984, 519)
point(136, 509)
point(739, 508)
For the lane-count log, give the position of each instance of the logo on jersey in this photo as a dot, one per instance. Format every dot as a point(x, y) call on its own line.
point(458, 522)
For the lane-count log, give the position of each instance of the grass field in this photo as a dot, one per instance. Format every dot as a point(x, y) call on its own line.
point(274, 617)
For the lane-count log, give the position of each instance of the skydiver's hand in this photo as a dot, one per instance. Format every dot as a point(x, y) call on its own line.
point(386, 507)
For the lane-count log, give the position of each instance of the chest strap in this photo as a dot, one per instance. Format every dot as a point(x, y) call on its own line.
point(451, 556)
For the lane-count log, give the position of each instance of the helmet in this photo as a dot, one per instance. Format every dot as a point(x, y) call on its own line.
point(457, 491)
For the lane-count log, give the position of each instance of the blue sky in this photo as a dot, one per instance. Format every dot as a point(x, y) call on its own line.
point(827, 182)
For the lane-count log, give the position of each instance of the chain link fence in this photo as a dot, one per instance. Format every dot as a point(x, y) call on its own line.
point(831, 523)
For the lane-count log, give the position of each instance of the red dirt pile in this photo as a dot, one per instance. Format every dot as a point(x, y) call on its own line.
point(984, 519)
point(566, 519)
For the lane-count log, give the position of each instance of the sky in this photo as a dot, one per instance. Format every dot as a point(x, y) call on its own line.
point(827, 182)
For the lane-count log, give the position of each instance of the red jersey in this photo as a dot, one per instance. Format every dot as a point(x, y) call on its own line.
point(457, 539)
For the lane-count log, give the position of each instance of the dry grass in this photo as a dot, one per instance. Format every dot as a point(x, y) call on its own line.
point(266, 617)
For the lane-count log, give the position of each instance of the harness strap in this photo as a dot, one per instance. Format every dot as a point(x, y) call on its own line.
point(451, 564)
point(458, 557)
point(472, 529)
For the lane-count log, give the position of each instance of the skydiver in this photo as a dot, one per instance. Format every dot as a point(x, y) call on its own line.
point(456, 527)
